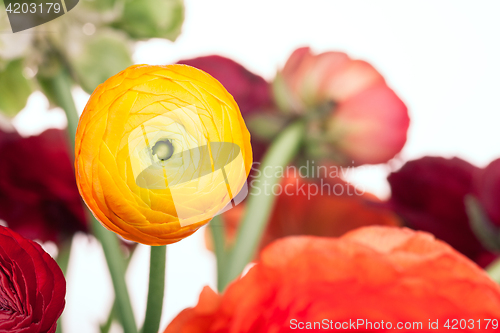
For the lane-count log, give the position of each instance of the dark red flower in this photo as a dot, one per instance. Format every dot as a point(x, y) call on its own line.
point(38, 193)
point(487, 190)
point(250, 91)
point(429, 194)
point(32, 286)
point(372, 274)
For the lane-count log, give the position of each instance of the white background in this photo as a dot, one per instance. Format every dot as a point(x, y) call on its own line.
point(441, 57)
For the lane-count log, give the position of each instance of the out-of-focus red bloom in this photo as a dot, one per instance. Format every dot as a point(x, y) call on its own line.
point(38, 193)
point(32, 286)
point(373, 273)
point(250, 91)
point(487, 190)
point(328, 207)
point(429, 194)
point(368, 122)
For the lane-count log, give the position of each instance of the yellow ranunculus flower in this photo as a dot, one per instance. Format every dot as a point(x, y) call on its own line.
point(160, 150)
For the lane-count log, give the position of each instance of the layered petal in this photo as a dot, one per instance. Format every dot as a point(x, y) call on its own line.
point(160, 150)
point(32, 287)
point(374, 273)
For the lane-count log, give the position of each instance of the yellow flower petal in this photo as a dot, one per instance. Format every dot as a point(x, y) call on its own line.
point(160, 150)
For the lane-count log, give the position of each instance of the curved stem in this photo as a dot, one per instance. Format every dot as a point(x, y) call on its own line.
point(261, 200)
point(156, 289)
point(106, 326)
point(116, 265)
point(61, 86)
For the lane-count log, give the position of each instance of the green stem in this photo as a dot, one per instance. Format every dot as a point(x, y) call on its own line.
point(61, 87)
point(116, 265)
point(156, 289)
point(217, 229)
point(493, 270)
point(63, 261)
point(61, 84)
point(261, 199)
point(113, 312)
point(64, 254)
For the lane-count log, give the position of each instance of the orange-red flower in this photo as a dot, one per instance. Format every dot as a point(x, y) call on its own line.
point(368, 122)
point(159, 151)
point(328, 207)
point(372, 274)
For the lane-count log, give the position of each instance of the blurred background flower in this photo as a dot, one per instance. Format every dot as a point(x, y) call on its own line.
point(310, 207)
point(38, 194)
point(429, 194)
point(372, 273)
point(354, 117)
point(487, 190)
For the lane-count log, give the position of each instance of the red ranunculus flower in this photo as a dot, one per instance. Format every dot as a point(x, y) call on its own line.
point(372, 274)
point(38, 193)
point(429, 194)
point(487, 190)
point(368, 122)
point(32, 286)
point(327, 207)
point(250, 91)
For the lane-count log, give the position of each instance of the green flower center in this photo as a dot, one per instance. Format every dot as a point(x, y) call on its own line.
point(163, 149)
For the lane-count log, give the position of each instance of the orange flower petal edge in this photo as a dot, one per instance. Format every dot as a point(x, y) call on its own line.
point(160, 150)
point(373, 273)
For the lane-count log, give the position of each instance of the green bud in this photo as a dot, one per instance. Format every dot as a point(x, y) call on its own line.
point(152, 19)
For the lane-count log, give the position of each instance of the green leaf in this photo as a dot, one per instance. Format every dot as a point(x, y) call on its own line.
point(98, 57)
point(266, 125)
point(282, 95)
point(487, 233)
point(14, 88)
point(493, 270)
point(152, 19)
